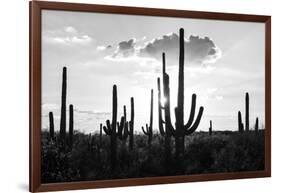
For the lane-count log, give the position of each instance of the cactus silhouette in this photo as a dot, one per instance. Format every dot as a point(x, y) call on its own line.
point(257, 125)
point(131, 125)
point(149, 129)
point(240, 124)
point(70, 126)
point(122, 126)
point(247, 112)
point(110, 129)
point(63, 108)
point(211, 128)
point(181, 130)
point(51, 122)
point(168, 131)
point(100, 136)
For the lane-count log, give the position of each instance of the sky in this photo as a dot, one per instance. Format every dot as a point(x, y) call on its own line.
point(223, 61)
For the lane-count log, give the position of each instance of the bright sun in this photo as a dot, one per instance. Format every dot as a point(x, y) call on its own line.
point(163, 101)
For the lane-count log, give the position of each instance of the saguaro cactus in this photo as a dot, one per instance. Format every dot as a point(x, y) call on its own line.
point(122, 126)
point(131, 125)
point(110, 129)
point(149, 129)
point(100, 136)
point(247, 112)
point(51, 129)
point(257, 125)
point(240, 124)
point(166, 132)
point(211, 128)
point(63, 108)
point(181, 129)
point(70, 126)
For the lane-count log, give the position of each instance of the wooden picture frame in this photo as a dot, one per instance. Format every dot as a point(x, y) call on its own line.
point(36, 8)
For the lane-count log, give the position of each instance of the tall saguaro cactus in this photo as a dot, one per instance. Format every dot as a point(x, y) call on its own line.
point(166, 131)
point(149, 129)
point(181, 130)
point(70, 126)
point(63, 108)
point(240, 124)
point(131, 125)
point(110, 129)
point(51, 122)
point(247, 112)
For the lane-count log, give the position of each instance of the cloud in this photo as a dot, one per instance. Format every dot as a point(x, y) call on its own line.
point(125, 49)
point(102, 48)
point(198, 51)
point(66, 36)
point(90, 112)
point(73, 40)
point(70, 29)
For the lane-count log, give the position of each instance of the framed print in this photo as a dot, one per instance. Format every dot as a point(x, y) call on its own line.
point(123, 96)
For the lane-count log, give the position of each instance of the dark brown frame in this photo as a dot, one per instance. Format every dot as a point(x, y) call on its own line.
point(35, 8)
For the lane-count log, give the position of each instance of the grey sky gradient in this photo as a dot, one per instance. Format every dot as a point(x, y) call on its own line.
point(223, 61)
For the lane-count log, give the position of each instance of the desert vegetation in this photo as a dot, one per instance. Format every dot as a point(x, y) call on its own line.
point(117, 151)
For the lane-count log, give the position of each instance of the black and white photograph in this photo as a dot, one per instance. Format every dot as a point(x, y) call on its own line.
point(134, 96)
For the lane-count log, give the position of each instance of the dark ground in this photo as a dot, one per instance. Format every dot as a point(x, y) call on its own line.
point(224, 151)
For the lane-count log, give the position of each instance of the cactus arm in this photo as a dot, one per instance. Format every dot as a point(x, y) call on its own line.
point(120, 126)
point(123, 134)
point(196, 123)
point(192, 112)
point(143, 130)
point(107, 129)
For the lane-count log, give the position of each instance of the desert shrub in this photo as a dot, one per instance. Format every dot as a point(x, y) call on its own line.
point(244, 152)
point(90, 160)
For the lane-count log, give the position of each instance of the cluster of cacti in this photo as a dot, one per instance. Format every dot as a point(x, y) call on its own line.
point(121, 129)
point(110, 129)
point(123, 126)
point(181, 130)
point(124, 129)
point(149, 128)
point(247, 122)
point(62, 134)
point(211, 128)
